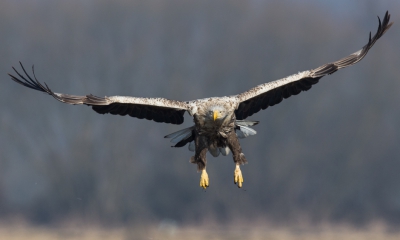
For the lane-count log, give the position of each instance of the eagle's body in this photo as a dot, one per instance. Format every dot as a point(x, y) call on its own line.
point(213, 134)
point(219, 121)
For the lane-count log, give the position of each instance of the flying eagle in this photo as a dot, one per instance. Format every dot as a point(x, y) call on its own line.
point(218, 121)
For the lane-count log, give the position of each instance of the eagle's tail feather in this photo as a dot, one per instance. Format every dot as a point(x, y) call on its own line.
point(214, 151)
point(225, 151)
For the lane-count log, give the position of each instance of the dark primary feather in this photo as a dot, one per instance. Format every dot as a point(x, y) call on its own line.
point(102, 105)
point(276, 95)
point(157, 114)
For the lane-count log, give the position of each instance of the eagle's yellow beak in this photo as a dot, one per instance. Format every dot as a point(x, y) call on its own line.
point(215, 115)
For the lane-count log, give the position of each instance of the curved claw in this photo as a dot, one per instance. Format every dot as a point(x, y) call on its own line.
point(204, 181)
point(238, 177)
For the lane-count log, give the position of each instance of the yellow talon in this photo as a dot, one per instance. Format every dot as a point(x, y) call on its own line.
point(237, 176)
point(204, 181)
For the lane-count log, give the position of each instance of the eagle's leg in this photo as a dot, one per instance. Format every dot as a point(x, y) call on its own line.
point(237, 176)
point(200, 159)
point(204, 180)
point(238, 157)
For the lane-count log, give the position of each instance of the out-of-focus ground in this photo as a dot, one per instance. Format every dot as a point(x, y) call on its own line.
point(376, 231)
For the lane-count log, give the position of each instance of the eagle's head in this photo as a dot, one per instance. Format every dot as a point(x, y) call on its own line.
point(216, 113)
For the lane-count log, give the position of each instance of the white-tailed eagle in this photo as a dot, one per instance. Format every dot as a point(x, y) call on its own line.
point(218, 121)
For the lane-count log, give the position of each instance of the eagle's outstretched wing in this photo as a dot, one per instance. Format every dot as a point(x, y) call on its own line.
point(157, 109)
point(272, 93)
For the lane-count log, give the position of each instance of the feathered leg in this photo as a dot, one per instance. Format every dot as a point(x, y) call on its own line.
point(200, 159)
point(238, 157)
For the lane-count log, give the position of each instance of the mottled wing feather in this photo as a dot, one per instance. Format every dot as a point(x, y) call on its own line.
point(272, 93)
point(157, 109)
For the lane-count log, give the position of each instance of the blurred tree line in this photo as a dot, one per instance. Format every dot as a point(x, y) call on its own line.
point(328, 154)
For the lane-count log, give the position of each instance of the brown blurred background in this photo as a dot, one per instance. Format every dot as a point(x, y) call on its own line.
point(330, 154)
